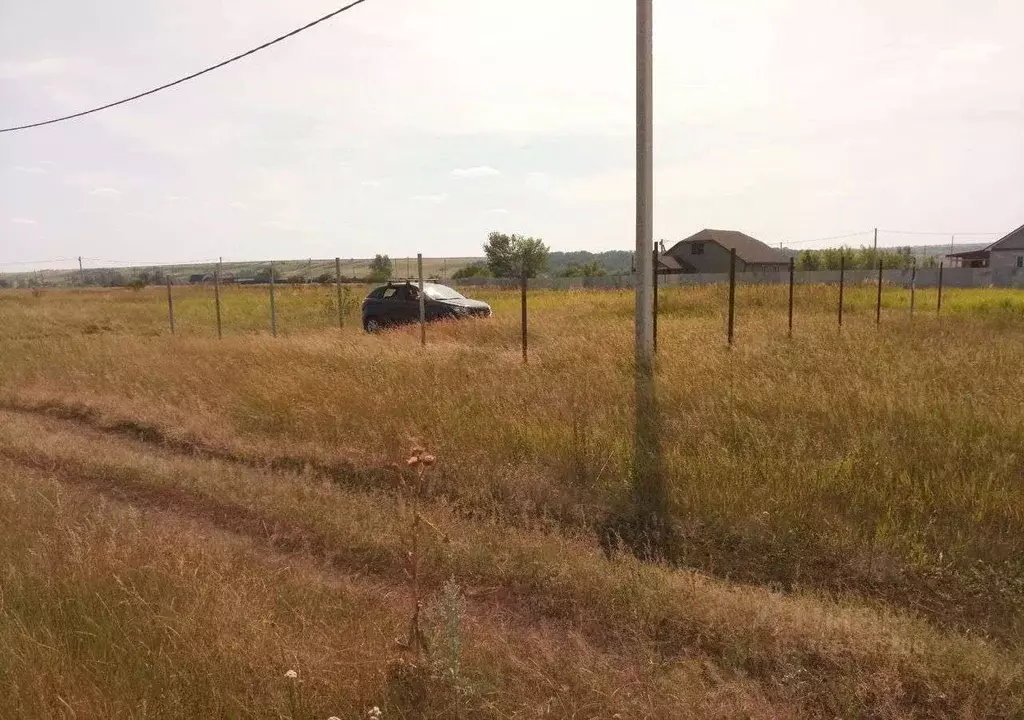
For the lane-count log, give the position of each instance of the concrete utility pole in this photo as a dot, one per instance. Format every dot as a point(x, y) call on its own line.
point(876, 241)
point(650, 495)
point(81, 272)
point(644, 189)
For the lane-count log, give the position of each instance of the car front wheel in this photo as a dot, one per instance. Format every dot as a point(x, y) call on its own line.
point(372, 325)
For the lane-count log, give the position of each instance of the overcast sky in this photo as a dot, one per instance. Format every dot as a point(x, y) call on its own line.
point(421, 125)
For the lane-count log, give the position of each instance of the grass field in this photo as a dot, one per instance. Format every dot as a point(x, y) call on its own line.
point(183, 519)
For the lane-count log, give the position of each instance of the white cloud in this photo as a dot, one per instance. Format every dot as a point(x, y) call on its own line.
point(282, 225)
point(481, 171)
point(279, 129)
point(23, 221)
point(105, 192)
point(43, 67)
point(969, 52)
point(539, 181)
point(431, 199)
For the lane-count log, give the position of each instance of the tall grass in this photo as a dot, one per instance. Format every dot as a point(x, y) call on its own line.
point(882, 463)
point(544, 609)
point(110, 611)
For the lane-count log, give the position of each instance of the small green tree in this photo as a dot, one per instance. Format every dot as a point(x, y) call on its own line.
point(381, 268)
point(477, 269)
point(588, 269)
point(808, 260)
point(263, 275)
point(515, 255)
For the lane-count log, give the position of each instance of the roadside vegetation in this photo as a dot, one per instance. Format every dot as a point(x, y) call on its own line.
point(187, 519)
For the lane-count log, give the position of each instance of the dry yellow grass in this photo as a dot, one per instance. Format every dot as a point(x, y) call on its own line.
point(111, 611)
point(860, 478)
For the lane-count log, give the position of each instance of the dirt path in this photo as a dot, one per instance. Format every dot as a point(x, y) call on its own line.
point(492, 617)
point(539, 580)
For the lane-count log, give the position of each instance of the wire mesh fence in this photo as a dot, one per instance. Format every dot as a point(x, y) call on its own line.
point(216, 305)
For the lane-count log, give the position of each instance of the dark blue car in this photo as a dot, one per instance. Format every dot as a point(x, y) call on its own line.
point(399, 304)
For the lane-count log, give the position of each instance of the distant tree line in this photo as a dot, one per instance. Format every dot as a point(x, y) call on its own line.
point(506, 253)
point(863, 258)
point(587, 264)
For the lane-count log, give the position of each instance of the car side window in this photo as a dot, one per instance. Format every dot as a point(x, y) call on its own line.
point(377, 294)
point(389, 293)
point(407, 293)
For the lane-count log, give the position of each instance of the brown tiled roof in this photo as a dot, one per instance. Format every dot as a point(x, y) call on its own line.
point(748, 249)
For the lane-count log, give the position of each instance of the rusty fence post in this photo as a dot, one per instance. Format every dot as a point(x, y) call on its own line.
point(337, 282)
point(654, 272)
point(792, 268)
point(878, 304)
point(938, 308)
point(913, 286)
point(732, 293)
point(216, 300)
point(423, 302)
point(273, 303)
point(842, 283)
point(523, 284)
point(170, 304)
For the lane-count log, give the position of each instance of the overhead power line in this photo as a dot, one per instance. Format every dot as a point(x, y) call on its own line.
point(193, 76)
point(833, 237)
point(939, 234)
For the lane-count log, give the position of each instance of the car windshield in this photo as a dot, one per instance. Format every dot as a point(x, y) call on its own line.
point(441, 292)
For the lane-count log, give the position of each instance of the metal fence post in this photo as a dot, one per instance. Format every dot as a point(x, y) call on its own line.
point(337, 282)
point(654, 273)
point(938, 308)
point(913, 286)
point(792, 267)
point(273, 304)
point(732, 292)
point(524, 282)
point(423, 302)
point(878, 305)
point(216, 300)
point(170, 304)
point(842, 283)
